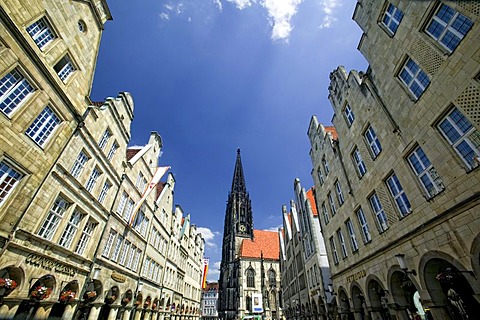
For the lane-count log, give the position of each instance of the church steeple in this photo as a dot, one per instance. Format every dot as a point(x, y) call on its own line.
point(238, 181)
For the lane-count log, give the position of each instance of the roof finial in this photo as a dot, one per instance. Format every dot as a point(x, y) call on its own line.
point(238, 150)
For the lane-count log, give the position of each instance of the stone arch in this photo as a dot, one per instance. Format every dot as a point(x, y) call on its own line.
point(155, 304)
point(344, 301)
point(358, 299)
point(127, 297)
point(147, 302)
point(41, 290)
point(377, 296)
point(11, 278)
point(404, 291)
point(449, 286)
point(475, 256)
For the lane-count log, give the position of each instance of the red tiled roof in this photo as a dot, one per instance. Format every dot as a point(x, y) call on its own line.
point(97, 103)
point(332, 131)
point(131, 153)
point(311, 199)
point(265, 242)
point(211, 286)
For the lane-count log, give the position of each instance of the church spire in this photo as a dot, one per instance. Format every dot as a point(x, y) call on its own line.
point(238, 181)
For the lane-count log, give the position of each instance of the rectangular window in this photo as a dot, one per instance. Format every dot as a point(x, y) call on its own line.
point(53, 219)
point(146, 265)
point(104, 140)
point(351, 233)
point(359, 164)
point(338, 190)
point(426, 173)
point(64, 68)
point(92, 180)
point(127, 214)
point(137, 260)
point(43, 126)
point(9, 178)
point(379, 212)
point(14, 89)
point(109, 243)
point(343, 246)
point(334, 250)
point(448, 27)
point(332, 203)
point(125, 251)
point(414, 78)
point(79, 164)
point(116, 249)
point(41, 32)
point(462, 136)
point(325, 213)
point(104, 192)
point(71, 229)
point(349, 116)
point(85, 237)
point(112, 151)
point(131, 257)
point(320, 176)
point(392, 18)
point(122, 203)
point(144, 226)
point(325, 166)
point(364, 225)
point(373, 142)
point(399, 195)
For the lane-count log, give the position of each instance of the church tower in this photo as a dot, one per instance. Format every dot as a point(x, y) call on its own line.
point(238, 226)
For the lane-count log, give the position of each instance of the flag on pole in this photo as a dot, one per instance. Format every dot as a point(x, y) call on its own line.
point(205, 272)
point(153, 182)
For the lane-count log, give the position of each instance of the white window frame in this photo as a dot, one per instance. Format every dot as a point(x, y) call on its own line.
point(380, 214)
point(338, 191)
point(41, 32)
point(79, 164)
point(109, 243)
point(117, 248)
point(414, 78)
point(71, 229)
point(104, 140)
point(331, 203)
point(351, 233)
point(125, 251)
point(333, 247)
point(349, 115)
point(104, 192)
point(359, 163)
point(43, 126)
point(449, 31)
point(85, 237)
point(455, 122)
point(325, 213)
point(372, 141)
point(325, 166)
point(92, 180)
point(9, 179)
point(343, 245)
point(112, 151)
point(14, 90)
point(427, 175)
point(320, 176)
point(64, 68)
point(362, 220)
point(393, 17)
point(53, 219)
point(399, 195)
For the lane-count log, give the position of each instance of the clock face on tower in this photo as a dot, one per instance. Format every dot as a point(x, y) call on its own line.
point(242, 228)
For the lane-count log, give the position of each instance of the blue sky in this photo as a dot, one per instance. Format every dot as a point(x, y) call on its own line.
point(214, 75)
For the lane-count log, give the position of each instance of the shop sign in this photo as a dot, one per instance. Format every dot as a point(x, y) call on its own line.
point(118, 277)
point(257, 305)
point(48, 264)
point(358, 275)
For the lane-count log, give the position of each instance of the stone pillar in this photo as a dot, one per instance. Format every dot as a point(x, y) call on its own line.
point(4, 312)
point(138, 313)
point(68, 312)
point(126, 313)
point(95, 311)
point(438, 313)
point(112, 315)
point(41, 313)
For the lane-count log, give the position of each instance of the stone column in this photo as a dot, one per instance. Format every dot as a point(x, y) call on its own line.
point(95, 311)
point(112, 315)
point(127, 312)
point(68, 312)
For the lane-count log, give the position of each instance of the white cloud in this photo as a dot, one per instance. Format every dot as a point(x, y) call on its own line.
point(280, 13)
point(164, 16)
point(213, 273)
point(218, 3)
point(208, 236)
point(242, 4)
point(328, 8)
point(274, 228)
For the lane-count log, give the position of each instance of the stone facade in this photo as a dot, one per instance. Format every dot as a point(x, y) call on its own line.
point(400, 181)
point(304, 264)
point(82, 237)
point(210, 301)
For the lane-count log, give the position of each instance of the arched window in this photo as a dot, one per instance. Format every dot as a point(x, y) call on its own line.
point(250, 278)
point(272, 278)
